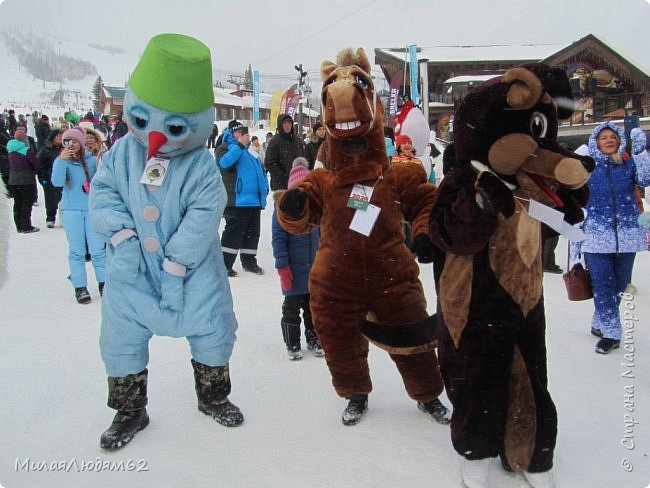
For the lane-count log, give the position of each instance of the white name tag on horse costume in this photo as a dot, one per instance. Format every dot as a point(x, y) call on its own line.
point(364, 220)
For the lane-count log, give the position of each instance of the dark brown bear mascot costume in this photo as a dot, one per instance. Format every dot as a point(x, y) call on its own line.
point(488, 268)
point(363, 266)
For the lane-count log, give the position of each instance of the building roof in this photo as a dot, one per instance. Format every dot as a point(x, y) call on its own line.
point(471, 78)
point(440, 105)
point(223, 96)
point(114, 91)
point(607, 55)
point(491, 52)
point(445, 62)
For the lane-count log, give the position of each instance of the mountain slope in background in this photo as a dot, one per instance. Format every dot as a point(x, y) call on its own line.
point(29, 83)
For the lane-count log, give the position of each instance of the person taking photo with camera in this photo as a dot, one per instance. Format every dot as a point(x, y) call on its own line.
point(73, 170)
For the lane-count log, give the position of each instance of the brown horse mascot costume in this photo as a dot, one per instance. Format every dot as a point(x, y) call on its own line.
point(363, 266)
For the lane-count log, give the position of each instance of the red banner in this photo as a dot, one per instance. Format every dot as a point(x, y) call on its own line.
point(286, 96)
point(292, 104)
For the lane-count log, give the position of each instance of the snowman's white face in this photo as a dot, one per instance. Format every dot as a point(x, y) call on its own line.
point(183, 131)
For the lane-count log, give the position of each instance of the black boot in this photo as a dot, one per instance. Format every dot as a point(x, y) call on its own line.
point(127, 395)
point(313, 343)
point(357, 406)
point(254, 268)
point(436, 411)
point(212, 385)
point(82, 295)
point(606, 345)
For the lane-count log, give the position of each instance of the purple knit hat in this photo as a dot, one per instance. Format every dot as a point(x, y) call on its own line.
point(76, 134)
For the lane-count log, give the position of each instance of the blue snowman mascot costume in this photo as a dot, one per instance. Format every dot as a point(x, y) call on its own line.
point(157, 200)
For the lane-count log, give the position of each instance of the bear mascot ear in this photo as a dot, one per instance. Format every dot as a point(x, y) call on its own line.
point(531, 82)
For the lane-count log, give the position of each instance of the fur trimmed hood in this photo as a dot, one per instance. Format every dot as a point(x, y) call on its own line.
point(593, 142)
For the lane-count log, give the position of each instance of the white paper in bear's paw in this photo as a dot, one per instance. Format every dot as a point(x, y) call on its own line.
point(555, 220)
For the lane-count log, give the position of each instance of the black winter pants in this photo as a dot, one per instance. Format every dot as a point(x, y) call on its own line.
point(548, 252)
point(241, 235)
point(52, 198)
point(291, 319)
point(24, 198)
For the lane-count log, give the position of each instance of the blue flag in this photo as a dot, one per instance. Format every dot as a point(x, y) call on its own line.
point(415, 92)
point(256, 96)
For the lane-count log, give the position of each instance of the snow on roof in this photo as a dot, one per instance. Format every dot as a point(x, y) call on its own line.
point(114, 91)
point(495, 52)
point(223, 96)
point(470, 78)
point(440, 105)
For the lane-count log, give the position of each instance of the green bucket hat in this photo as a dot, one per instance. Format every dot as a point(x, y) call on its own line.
point(175, 74)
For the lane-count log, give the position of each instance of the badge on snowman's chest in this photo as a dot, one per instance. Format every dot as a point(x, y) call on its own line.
point(154, 171)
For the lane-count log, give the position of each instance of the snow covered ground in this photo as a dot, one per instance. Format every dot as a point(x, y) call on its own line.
point(53, 395)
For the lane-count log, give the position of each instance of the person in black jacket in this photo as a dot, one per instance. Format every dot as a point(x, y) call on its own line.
point(23, 166)
point(212, 140)
point(120, 130)
point(3, 127)
point(46, 156)
point(316, 139)
point(42, 129)
point(282, 150)
point(12, 123)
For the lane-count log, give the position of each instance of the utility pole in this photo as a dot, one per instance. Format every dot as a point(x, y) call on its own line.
point(301, 84)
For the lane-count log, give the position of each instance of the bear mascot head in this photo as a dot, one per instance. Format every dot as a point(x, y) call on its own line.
point(509, 126)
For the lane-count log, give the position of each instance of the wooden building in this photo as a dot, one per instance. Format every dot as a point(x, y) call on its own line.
point(111, 100)
point(604, 83)
point(227, 105)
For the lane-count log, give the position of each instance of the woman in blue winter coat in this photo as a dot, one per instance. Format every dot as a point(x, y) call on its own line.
point(614, 235)
point(73, 170)
point(294, 256)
